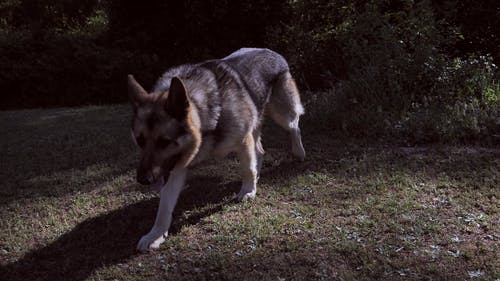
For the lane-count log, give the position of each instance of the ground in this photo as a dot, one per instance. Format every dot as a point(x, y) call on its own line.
point(354, 210)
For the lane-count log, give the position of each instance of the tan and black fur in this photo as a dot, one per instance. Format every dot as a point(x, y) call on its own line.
point(210, 109)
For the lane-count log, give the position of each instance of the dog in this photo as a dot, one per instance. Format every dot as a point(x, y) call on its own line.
point(197, 111)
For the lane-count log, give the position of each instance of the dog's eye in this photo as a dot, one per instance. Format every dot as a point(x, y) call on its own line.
point(163, 142)
point(141, 141)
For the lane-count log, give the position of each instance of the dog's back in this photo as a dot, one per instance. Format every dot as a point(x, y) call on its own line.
point(231, 94)
point(254, 69)
point(259, 70)
point(257, 64)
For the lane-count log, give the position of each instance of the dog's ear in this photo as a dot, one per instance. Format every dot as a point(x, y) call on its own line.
point(136, 92)
point(177, 102)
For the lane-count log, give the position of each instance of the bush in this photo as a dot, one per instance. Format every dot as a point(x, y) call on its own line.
point(367, 68)
point(307, 37)
point(400, 82)
point(467, 108)
point(51, 69)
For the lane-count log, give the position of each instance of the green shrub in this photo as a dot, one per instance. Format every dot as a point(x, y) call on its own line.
point(307, 37)
point(468, 108)
point(379, 68)
point(51, 69)
point(400, 82)
point(391, 57)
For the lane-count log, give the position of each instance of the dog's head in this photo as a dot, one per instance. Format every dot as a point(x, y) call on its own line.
point(159, 129)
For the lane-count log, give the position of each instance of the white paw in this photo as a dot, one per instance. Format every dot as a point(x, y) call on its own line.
point(244, 195)
point(297, 147)
point(151, 241)
point(299, 152)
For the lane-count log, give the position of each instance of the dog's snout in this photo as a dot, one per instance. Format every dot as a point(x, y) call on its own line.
point(144, 177)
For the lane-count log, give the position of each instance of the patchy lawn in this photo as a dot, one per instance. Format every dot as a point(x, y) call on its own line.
point(70, 209)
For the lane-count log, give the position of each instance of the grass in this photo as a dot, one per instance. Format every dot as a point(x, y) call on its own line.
point(70, 209)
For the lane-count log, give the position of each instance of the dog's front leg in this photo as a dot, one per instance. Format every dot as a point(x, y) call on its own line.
point(168, 198)
point(248, 165)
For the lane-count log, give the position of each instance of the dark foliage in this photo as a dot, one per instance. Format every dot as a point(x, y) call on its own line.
point(479, 24)
point(388, 61)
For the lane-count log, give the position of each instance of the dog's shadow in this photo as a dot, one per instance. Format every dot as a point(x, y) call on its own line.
point(111, 238)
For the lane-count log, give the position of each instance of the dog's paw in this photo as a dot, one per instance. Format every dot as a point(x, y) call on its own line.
point(299, 152)
point(247, 191)
point(246, 195)
point(151, 241)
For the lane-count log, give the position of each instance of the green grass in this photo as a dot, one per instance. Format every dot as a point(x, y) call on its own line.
point(354, 210)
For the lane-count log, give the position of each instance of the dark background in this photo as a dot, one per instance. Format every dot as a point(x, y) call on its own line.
point(73, 52)
point(387, 63)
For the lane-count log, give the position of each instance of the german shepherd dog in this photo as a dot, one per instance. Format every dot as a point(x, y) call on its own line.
point(196, 111)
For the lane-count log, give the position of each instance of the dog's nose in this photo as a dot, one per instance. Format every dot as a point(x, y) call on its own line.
point(144, 178)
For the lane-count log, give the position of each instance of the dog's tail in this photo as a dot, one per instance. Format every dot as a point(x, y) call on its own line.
point(285, 109)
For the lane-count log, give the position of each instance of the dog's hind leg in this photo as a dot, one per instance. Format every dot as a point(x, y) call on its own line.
point(285, 109)
point(248, 163)
point(259, 150)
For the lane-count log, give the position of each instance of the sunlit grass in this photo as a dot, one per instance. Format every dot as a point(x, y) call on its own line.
point(70, 208)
